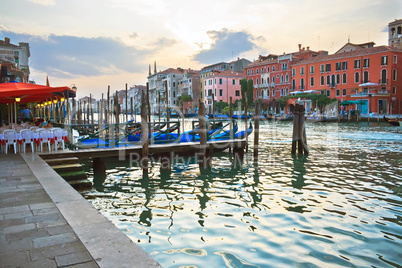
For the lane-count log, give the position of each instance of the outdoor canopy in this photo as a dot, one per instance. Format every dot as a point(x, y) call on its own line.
point(31, 92)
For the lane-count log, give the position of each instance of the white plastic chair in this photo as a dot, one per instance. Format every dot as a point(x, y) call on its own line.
point(10, 139)
point(27, 138)
point(44, 137)
point(58, 138)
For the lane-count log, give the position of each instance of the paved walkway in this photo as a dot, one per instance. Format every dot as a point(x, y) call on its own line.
point(44, 222)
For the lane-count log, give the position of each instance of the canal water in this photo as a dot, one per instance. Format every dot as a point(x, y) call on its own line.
point(341, 206)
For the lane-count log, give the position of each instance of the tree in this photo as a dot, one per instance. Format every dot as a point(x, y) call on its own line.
point(220, 105)
point(183, 98)
point(250, 93)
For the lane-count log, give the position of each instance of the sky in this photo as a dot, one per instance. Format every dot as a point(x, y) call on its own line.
point(94, 44)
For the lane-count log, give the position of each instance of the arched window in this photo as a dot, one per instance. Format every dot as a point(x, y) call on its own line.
point(252, 71)
point(312, 81)
point(333, 80)
point(357, 77)
point(262, 70)
point(365, 77)
point(399, 30)
point(256, 71)
point(338, 79)
point(257, 82)
point(293, 84)
point(281, 78)
point(394, 73)
point(287, 78)
point(322, 80)
point(344, 80)
point(268, 69)
point(273, 93)
point(273, 79)
point(384, 77)
point(248, 72)
point(286, 91)
point(302, 83)
point(281, 91)
point(328, 79)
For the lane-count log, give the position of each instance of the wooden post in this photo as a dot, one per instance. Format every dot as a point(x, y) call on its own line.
point(144, 130)
point(256, 130)
point(149, 109)
point(299, 132)
point(203, 161)
point(213, 107)
point(245, 120)
point(107, 107)
point(231, 123)
point(132, 108)
point(126, 104)
point(167, 104)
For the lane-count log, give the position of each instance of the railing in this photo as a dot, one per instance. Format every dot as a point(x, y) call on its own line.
point(383, 81)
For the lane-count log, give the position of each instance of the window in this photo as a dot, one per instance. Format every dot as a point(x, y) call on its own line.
point(357, 77)
point(384, 60)
point(273, 93)
point(293, 84)
point(268, 69)
point(394, 74)
point(248, 72)
point(220, 81)
point(174, 84)
point(344, 92)
point(312, 81)
point(252, 71)
point(393, 90)
point(205, 82)
point(383, 77)
point(220, 92)
point(328, 79)
point(365, 77)
point(257, 82)
point(337, 66)
point(273, 79)
point(215, 81)
point(282, 79)
point(233, 82)
point(256, 71)
point(328, 93)
point(174, 94)
point(287, 78)
point(302, 83)
point(344, 79)
point(338, 92)
point(286, 92)
point(302, 71)
point(357, 64)
point(293, 72)
point(322, 68)
point(344, 66)
point(262, 70)
point(395, 59)
point(281, 91)
point(333, 81)
point(328, 67)
point(237, 93)
point(215, 92)
point(338, 79)
point(311, 69)
point(262, 93)
point(322, 80)
point(366, 63)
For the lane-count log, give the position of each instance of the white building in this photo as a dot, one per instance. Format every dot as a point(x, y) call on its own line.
point(18, 55)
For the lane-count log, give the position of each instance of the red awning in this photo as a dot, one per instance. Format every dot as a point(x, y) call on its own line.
point(31, 92)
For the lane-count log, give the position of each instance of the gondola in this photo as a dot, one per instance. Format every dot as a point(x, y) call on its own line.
point(391, 121)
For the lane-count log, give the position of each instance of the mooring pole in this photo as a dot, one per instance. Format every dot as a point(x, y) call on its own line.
point(126, 104)
point(245, 120)
point(299, 131)
point(99, 168)
point(203, 162)
point(257, 129)
point(231, 123)
point(144, 130)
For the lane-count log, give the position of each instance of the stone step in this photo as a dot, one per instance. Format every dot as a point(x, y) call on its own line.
point(60, 161)
point(81, 184)
point(67, 168)
point(73, 176)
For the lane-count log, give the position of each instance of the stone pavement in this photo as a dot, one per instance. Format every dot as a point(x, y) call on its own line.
point(44, 222)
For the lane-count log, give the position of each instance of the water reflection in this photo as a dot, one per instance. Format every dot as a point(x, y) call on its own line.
point(339, 206)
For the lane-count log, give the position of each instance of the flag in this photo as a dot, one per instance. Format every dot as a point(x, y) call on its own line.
point(47, 81)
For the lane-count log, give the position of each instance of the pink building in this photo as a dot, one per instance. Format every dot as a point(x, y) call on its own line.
point(220, 86)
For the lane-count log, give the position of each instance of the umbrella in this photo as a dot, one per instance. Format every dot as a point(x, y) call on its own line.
point(368, 84)
point(30, 92)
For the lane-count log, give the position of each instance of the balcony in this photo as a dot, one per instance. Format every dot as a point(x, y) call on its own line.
point(272, 84)
point(383, 82)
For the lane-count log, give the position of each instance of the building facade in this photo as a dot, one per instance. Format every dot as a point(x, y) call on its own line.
point(14, 61)
point(365, 74)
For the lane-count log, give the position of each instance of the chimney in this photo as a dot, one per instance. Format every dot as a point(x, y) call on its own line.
point(7, 40)
point(308, 48)
point(299, 47)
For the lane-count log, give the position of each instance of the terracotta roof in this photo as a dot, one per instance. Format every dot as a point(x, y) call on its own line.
point(349, 54)
point(395, 22)
point(227, 73)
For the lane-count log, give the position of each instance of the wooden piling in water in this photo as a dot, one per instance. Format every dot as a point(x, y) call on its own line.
point(256, 129)
point(245, 120)
point(204, 161)
point(231, 122)
point(126, 103)
point(99, 169)
point(299, 138)
point(145, 133)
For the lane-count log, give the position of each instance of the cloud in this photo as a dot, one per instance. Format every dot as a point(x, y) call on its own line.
point(224, 43)
point(44, 2)
point(133, 35)
point(71, 56)
point(162, 42)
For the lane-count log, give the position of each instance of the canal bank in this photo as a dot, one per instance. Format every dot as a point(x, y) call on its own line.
point(44, 222)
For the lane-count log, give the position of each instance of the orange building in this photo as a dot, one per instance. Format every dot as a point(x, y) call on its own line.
point(363, 73)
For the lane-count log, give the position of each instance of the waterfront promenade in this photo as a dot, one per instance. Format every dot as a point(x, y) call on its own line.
point(44, 222)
